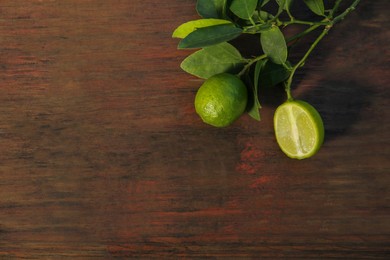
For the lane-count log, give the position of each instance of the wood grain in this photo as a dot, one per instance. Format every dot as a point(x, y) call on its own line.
point(102, 155)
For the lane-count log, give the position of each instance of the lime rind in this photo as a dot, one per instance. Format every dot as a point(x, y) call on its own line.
point(221, 100)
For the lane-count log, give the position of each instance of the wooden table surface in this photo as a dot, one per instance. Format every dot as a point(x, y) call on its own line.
point(103, 156)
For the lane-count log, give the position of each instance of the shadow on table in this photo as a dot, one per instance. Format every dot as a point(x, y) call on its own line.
point(340, 104)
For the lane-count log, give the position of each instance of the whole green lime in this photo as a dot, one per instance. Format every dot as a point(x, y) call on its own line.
point(221, 100)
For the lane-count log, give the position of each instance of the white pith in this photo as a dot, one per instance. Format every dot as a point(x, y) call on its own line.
point(295, 131)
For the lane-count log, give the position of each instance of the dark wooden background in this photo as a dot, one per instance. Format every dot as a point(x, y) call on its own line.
point(102, 154)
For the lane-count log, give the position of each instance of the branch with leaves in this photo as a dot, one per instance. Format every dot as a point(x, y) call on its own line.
point(225, 20)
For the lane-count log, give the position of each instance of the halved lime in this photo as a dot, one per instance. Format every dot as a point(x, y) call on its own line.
point(299, 129)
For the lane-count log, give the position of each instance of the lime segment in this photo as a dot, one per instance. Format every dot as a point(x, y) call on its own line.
point(299, 129)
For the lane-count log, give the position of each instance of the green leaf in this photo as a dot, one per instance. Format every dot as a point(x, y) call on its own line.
point(262, 3)
point(211, 35)
point(273, 74)
point(213, 60)
point(284, 5)
point(274, 45)
point(186, 28)
point(211, 8)
point(265, 16)
point(316, 6)
point(254, 110)
point(243, 8)
point(262, 17)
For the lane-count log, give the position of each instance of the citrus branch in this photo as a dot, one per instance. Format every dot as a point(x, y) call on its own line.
point(302, 61)
point(302, 34)
point(294, 21)
point(346, 12)
point(328, 22)
point(250, 63)
point(315, 43)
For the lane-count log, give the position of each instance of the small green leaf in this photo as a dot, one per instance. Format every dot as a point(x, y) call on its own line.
point(186, 28)
point(284, 5)
point(316, 6)
point(258, 68)
point(243, 8)
point(273, 74)
point(262, 17)
point(262, 3)
point(211, 35)
point(254, 110)
point(265, 16)
point(211, 8)
point(213, 60)
point(274, 45)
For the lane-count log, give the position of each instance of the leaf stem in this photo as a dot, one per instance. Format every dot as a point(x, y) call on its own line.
point(294, 21)
point(252, 22)
point(289, 14)
point(302, 34)
point(335, 8)
point(258, 28)
point(302, 61)
point(250, 63)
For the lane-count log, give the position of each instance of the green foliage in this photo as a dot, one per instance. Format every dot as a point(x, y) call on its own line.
point(225, 20)
point(210, 35)
point(186, 28)
point(213, 60)
point(243, 8)
point(273, 74)
point(316, 6)
point(254, 110)
point(211, 8)
point(274, 45)
point(284, 4)
point(262, 3)
point(265, 16)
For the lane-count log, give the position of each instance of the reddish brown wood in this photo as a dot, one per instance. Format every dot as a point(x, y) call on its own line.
point(102, 155)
